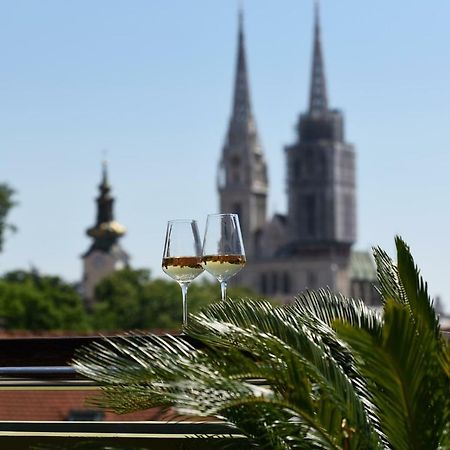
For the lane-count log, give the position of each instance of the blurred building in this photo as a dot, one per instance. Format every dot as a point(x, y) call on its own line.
point(105, 255)
point(310, 246)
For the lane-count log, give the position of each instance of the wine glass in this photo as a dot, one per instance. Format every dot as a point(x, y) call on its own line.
point(223, 254)
point(182, 255)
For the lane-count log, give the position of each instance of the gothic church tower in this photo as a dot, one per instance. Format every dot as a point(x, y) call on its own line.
point(311, 246)
point(242, 178)
point(105, 255)
point(321, 173)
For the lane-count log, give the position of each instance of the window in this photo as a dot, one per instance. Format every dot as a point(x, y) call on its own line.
point(296, 169)
point(348, 216)
point(286, 283)
point(309, 163)
point(235, 173)
point(264, 289)
point(322, 165)
point(311, 280)
point(274, 282)
point(310, 214)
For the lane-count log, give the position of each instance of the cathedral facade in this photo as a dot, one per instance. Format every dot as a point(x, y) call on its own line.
point(311, 245)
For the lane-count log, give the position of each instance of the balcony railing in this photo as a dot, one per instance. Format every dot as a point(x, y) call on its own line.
point(36, 365)
point(31, 365)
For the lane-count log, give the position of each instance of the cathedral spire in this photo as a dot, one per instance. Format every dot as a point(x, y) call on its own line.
point(242, 180)
point(241, 103)
point(318, 101)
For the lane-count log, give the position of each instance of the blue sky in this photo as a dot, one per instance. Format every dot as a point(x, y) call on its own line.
point(151, 82)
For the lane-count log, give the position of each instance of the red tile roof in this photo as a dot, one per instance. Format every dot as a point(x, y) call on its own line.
point(49, 405)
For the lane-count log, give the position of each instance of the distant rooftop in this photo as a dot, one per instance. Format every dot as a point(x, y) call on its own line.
point(362, 266)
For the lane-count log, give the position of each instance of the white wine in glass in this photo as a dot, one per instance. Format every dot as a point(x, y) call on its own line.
point(223, 254)
point(182, 256)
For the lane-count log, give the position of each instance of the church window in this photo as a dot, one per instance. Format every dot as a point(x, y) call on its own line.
point(321, 164)
point(296, 169)
point(310, 214)
point(274, 282)
point(235, 163)
point(309, 163)
point(264, 289)
point(286, 283)
point(348, 215)
point(311, 280)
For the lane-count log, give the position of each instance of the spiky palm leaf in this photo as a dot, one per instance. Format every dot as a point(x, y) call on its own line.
point(309, 340)
point(307, 398)
point(405, 365)
point(286, 379)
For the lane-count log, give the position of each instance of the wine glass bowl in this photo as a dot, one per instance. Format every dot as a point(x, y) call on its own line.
point(182, 255)
point(223, 254)
point(183, 269)
point(223, 267)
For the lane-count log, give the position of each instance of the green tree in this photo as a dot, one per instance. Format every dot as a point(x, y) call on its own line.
point(324, 373)
point(119, 300)
point(6, 203)
point(130, 300)
point(30, 301)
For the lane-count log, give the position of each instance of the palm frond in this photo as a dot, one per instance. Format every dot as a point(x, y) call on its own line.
point(312, 339)
point(328, 306)
point(198, 387)
point(295, 325)
point(388, 277)
point(400, 367)
point(301, 378)
point(319, 310)
point(324, 373)
point(425, 318)
point(419, 301)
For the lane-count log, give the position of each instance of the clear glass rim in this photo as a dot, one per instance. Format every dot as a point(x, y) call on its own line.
point(222, 215)
point(182, 221)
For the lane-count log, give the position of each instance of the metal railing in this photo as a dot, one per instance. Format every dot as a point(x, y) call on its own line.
point(43, 364)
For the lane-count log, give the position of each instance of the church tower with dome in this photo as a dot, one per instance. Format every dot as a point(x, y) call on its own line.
point(105, 255)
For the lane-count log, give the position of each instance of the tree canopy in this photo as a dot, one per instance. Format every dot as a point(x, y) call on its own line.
point(132, 300)
point(6, 203)
point(30, 301)
point(126, 300)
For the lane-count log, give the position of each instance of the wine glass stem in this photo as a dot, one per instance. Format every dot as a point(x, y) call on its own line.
point(184, 289)
point(223, 289)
